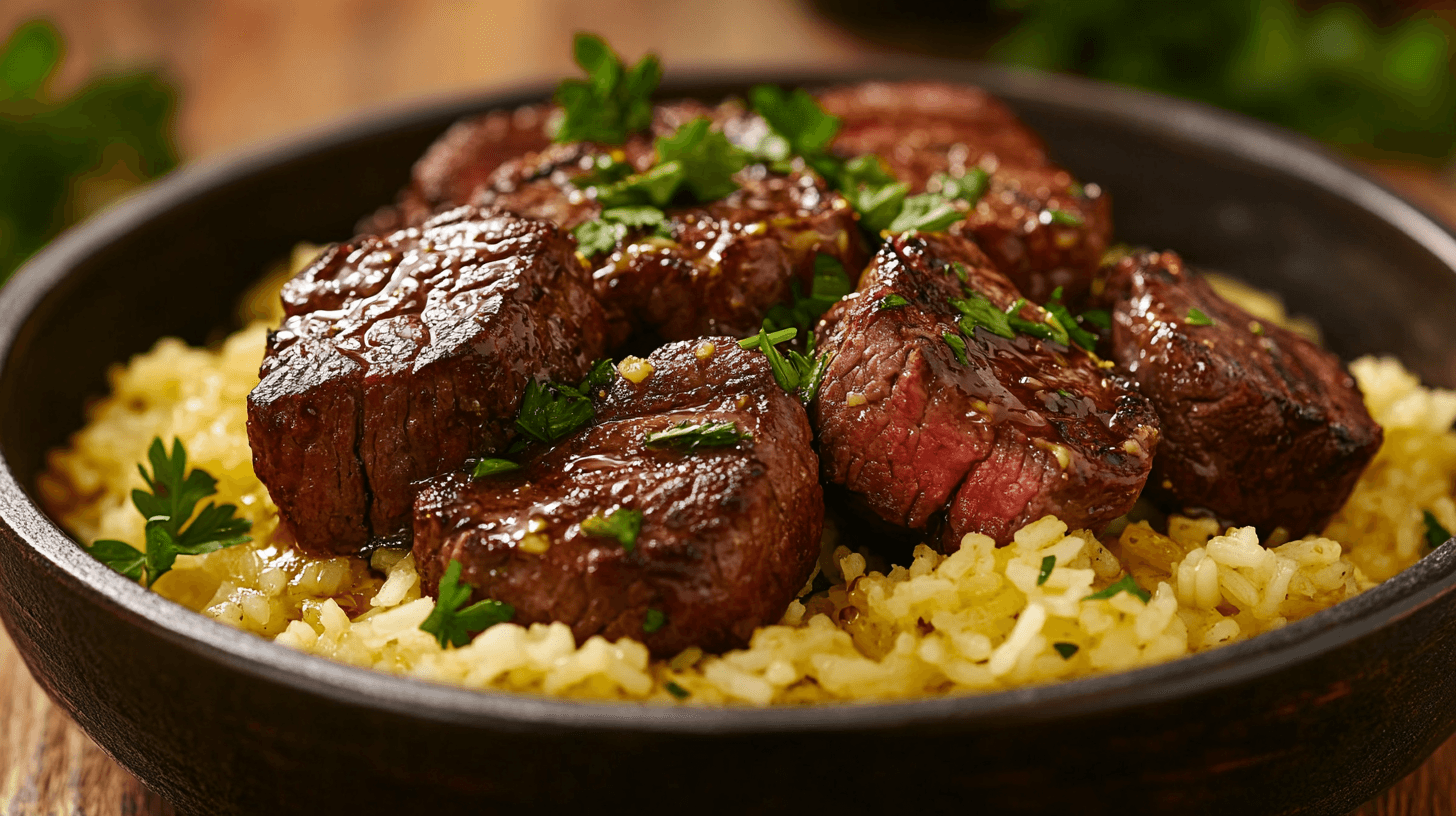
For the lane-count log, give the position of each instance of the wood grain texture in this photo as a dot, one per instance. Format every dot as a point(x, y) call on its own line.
point(254, 69)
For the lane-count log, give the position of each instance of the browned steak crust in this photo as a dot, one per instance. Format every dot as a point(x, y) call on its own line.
point(1260, 426)
point(927, 441)
point(729, 534)
point(1037, 224)
point(403, 355)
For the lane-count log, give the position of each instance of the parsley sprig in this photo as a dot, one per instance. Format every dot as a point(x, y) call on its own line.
point(172, 497)
point(453, 626)
point(798, 374)
point(686, 436)
point(552, 411)
point(613, 101)
point(695, 163)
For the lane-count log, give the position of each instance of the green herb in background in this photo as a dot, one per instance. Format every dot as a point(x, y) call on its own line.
point(65, 158)
point(167, 505)
point(1330, 72)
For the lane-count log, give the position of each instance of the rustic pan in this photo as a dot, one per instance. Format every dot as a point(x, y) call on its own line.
point(1314, 718)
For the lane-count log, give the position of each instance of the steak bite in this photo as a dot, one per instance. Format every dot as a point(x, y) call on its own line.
point(1260, 426)
point(1039, 226)
point(714, 268)
point(402, 356)
point(934, 421)
point(729, 532)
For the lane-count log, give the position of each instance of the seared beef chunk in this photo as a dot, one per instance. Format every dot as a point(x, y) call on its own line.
point(728, 534)
point(1260, 426)
point(723, 266)
point(946, 428)
point(402, 356)
point(465, 159)
point(1038, 225)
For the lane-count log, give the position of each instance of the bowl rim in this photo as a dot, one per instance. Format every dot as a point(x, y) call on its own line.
point(1232, 134)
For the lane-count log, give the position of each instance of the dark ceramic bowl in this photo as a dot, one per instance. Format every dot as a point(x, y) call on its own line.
point(1316, 717)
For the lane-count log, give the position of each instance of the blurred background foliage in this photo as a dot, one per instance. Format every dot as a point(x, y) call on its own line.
point(1374, 77)
point(62, 159)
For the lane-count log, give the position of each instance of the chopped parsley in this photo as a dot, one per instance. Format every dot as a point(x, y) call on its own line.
point(1124, 584)
point(1063, 218)
point(830, 284)
point(968, 188)
point(490, 467)
point(1198, 318)
point(960, 271)
point(654, 620)
point(976, 311)
point(453, 626)
point(677, 691)
point(551, 411)
point(1087, 340)
point(927, 212)
point(1050, 330)
point(621, 524)
point(800, 123)
point(1066, 650)
point(1047, 565)
point(168, 504)
point(872, 191)
point(1097, 317)
point(685, 436)
point(892, 302)
point(1436, 535)
point(695, 158)
point(603, 234)
point(707, 158)
point(798, 374)
point(605, 169)
point(613, 101)
point(957, 345)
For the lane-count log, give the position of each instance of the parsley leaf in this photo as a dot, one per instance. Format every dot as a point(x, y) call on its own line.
point(957, 345)
point(490, 467)
point(654, 187)
point(676, 690)
point(1436, 535)
point(968, 188)
point(686, 436)
point(601, 376)
point(654, 620)
point(1087, 340)
point(175, 493)
point(708, 159)
point(607, 231)
point(1050, 330)
point(1197, 318)
point(1047, 565)
point(1062, 218)
point(621, 524)
point(453, 626)
point(606, 169)
point(797, 118)
point(1097, 317)
point(927, 212)
point(613, 101)
point(1124, 584)
point(872, 191)
point(976, 311)
point(892, 302)
point(1066, 650)
point(552, 411)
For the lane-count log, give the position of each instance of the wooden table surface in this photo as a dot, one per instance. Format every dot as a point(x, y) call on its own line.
point(254, 69)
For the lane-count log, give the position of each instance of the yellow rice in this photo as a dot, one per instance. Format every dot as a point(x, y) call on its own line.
point(976, 620)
